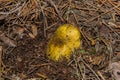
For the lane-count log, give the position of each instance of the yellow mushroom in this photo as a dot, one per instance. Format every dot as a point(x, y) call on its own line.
point(61, 45)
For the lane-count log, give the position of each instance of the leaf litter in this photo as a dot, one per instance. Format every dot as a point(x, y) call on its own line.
point(27, 25)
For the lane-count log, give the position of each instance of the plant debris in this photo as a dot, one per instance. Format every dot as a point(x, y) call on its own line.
point(26, 26)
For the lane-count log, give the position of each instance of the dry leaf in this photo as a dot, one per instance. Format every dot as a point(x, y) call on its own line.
point(115, 69)
point(93, 41)
point(34, 30)
point(19, 31)
point(7, 40)
point(96, 60)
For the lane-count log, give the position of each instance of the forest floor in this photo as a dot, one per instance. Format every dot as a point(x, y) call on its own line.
point(27, 25)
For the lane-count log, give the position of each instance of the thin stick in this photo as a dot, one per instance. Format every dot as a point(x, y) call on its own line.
point(57, 11)
point(45, 21)
point(110, 28)
point(90, 69)
point(51, 26)
point(99, 73)
point(84, 35)
point(17, 8)
point(103, 14)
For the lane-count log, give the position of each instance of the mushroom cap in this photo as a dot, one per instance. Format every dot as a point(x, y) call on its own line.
point(61, 45)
